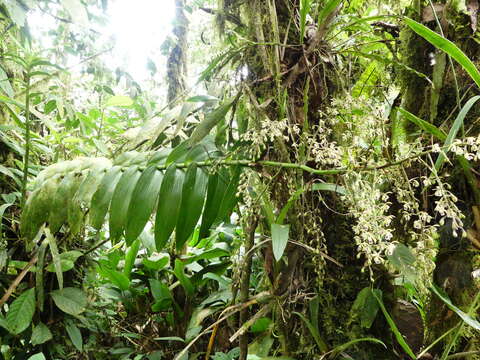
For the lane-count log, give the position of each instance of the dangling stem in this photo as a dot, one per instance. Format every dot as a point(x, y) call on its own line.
point(245, 283)
point(27, 141)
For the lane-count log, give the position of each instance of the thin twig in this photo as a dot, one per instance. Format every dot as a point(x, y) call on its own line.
point(17, 280)
point(245, 283)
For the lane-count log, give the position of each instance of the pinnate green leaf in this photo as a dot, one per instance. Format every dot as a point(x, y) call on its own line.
point(142, 202)
point(168, 207)
point(102, 197)
point(121, 201)
point(193, 197)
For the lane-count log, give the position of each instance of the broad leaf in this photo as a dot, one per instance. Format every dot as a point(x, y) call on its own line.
point(143, 201)
point(182, 278)
point(210, 120)
point(70, 300)
point(401, 257)
point(83, 198)
point(217, 185)
point(130, 258)
point(67, 260)
point(59, 206)
point(101, 198)
point(117, 278)
point(279, 239)
point(5, 83)
point(41, 334)
point(229, 199)
point(168, 205)
point(37, 209)
point(121, 201)
point(75, 335)
point(193, 197)
point(366, 306)
point(21, 312)
point(38, 356)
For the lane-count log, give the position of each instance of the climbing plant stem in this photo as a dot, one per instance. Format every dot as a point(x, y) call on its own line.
point(27, 140)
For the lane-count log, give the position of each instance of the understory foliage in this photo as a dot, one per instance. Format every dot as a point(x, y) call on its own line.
point(314, 195)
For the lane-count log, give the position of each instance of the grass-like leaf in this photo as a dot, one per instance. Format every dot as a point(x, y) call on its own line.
point(452, 134)
point(447, 46)
point(394, 328)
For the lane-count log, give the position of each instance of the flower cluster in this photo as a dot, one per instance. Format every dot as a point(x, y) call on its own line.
point(370, 207)
point(267, 132)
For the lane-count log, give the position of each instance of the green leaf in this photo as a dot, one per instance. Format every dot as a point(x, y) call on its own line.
point(182, 278)
point(193, 197)
point(121, 201)
point(38, 356)
point(130, 258)
point(20, 312)
point(39, 276)
point(82, 199)
point(117, 278)
point(156, 262)
point(452, 134)
point(67, 260)
point(447, 46)
point(119, 100)
point(343, 347)
point(210, 120)
point(60, 202)
point(279, 239)
point(41, 334)
point(179, 153)
point(207, 255)
point(229, 199)
point(322, 345)
point(202, 98)
point(464, 316)
point(75, 336)
point(70, 300)
point(168, 205)
point(101, 198)
point(143, 201)
point(217, 185)
point(424, 125)
point(52, 243)
point(7, 172)
point(261, 325)
point(160, 291)
point(305, 6)
point(327, 10)
point(401, 257)
point(366, 306)
point(5, 84)
point(393, 326)
point(37, 209)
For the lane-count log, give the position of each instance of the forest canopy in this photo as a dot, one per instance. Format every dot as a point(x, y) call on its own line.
point(239, 179)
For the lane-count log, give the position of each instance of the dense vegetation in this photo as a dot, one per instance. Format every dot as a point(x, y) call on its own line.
point(304, 183)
